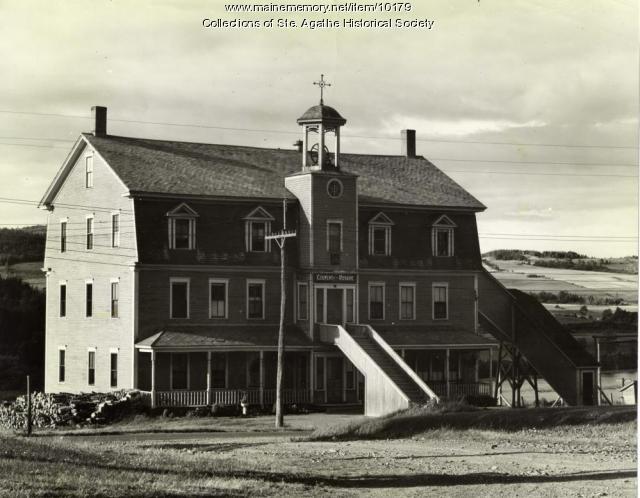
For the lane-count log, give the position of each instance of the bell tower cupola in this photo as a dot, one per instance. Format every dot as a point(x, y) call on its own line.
point(319, 123)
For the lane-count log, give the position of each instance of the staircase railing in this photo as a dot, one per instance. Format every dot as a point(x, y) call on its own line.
point(382, 394)
point(400, 362)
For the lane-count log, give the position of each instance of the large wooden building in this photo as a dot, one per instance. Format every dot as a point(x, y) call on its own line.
point(160, 277)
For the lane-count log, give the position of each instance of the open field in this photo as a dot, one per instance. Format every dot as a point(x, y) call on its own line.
point(513, 274)
point(31, 273)
point(581, 460)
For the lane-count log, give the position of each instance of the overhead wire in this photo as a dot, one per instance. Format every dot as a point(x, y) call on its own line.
point(195, 125)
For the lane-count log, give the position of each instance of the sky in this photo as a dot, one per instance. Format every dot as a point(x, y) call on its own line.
point(532, 106)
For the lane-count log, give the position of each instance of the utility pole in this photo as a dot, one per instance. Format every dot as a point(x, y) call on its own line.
point(280, 239)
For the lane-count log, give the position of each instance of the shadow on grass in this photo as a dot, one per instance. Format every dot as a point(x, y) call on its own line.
point(420, 420)
point(204, 448)
point(415, 480)
point(177, 469)
point(450, 455)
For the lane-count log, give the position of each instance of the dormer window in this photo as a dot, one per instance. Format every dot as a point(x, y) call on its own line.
point(182, 227)
point(257, 226)
point(380, 235)
point(442, 237)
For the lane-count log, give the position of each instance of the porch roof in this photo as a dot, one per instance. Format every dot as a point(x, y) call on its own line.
point(221, 336)
point(432, 336)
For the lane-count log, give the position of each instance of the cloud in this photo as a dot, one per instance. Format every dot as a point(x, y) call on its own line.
point(459, 127)
point(531, 213)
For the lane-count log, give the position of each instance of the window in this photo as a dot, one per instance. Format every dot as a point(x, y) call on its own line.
point(217, 298)
point(115, 230)
point(257, 234)
point(61, 364)
point(440, 301)
point(334, 237)
point(114, 299)
point(255, 299)
point(89, 232)
point(182, 227)
point(183, 231)
point(257, 226)
point(350, 296)
point(319, 373)
point(91, 372)
point(303, 301)
point(113, 382)
point(320, 305)
point(376, 301)
point(63, 236)
point(88, 178)
point(407, 301)
point(380, 235)
point(88, 299)
point(63, 300)
point(179, 290)
point(218, 370)
point(179, 368)
point(350, 375)
point(442, 237)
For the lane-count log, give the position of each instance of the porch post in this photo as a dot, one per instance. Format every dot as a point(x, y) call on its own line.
point(261, 378)
point(446, 373)
point(153, 379)
point(209, 392)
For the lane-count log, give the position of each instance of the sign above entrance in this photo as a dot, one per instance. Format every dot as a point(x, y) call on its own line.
point(347, 278)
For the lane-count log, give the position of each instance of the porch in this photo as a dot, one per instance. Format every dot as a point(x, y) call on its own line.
point(192, 379)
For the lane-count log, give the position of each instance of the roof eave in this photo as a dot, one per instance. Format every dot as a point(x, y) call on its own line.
point(227, 198)
point(430, 207)
point(61, 175)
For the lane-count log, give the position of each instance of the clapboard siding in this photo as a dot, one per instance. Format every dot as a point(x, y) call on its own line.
point(411, 240)
point(154, 287)
point(461, 298)
point(220, 232)
point(101, 264)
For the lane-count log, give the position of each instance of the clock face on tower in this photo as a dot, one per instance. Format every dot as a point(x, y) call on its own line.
point(334, 188)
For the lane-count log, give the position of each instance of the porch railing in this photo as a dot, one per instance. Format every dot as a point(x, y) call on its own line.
point(181, 398)
point(459, 389)
point(225, 397)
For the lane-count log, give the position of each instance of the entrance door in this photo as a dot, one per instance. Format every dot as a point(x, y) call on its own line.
point(334, 307)
point(334, 379)
point(587, 388)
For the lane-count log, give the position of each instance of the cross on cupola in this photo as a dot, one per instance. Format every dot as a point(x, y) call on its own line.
point(321, 120)
point(322, 83)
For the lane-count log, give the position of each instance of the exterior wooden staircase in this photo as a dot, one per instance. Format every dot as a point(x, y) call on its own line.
point(390, 384)
point(534, 338)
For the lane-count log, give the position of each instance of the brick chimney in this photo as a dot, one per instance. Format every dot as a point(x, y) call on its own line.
point(99, 116)
point(408, 143)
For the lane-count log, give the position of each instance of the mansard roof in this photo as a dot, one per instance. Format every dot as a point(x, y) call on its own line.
point(184, 168)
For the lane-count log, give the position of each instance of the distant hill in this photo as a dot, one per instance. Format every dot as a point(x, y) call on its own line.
point(568, 260)
point(20, 245)
point(22, 319)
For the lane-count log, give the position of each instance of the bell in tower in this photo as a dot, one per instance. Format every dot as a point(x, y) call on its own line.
point(319, 122)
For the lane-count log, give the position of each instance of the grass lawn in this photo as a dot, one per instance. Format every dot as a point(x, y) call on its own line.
point(574, 460)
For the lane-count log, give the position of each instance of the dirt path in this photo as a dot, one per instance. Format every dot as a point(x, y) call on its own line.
point(581, 461)
point(446, 463)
